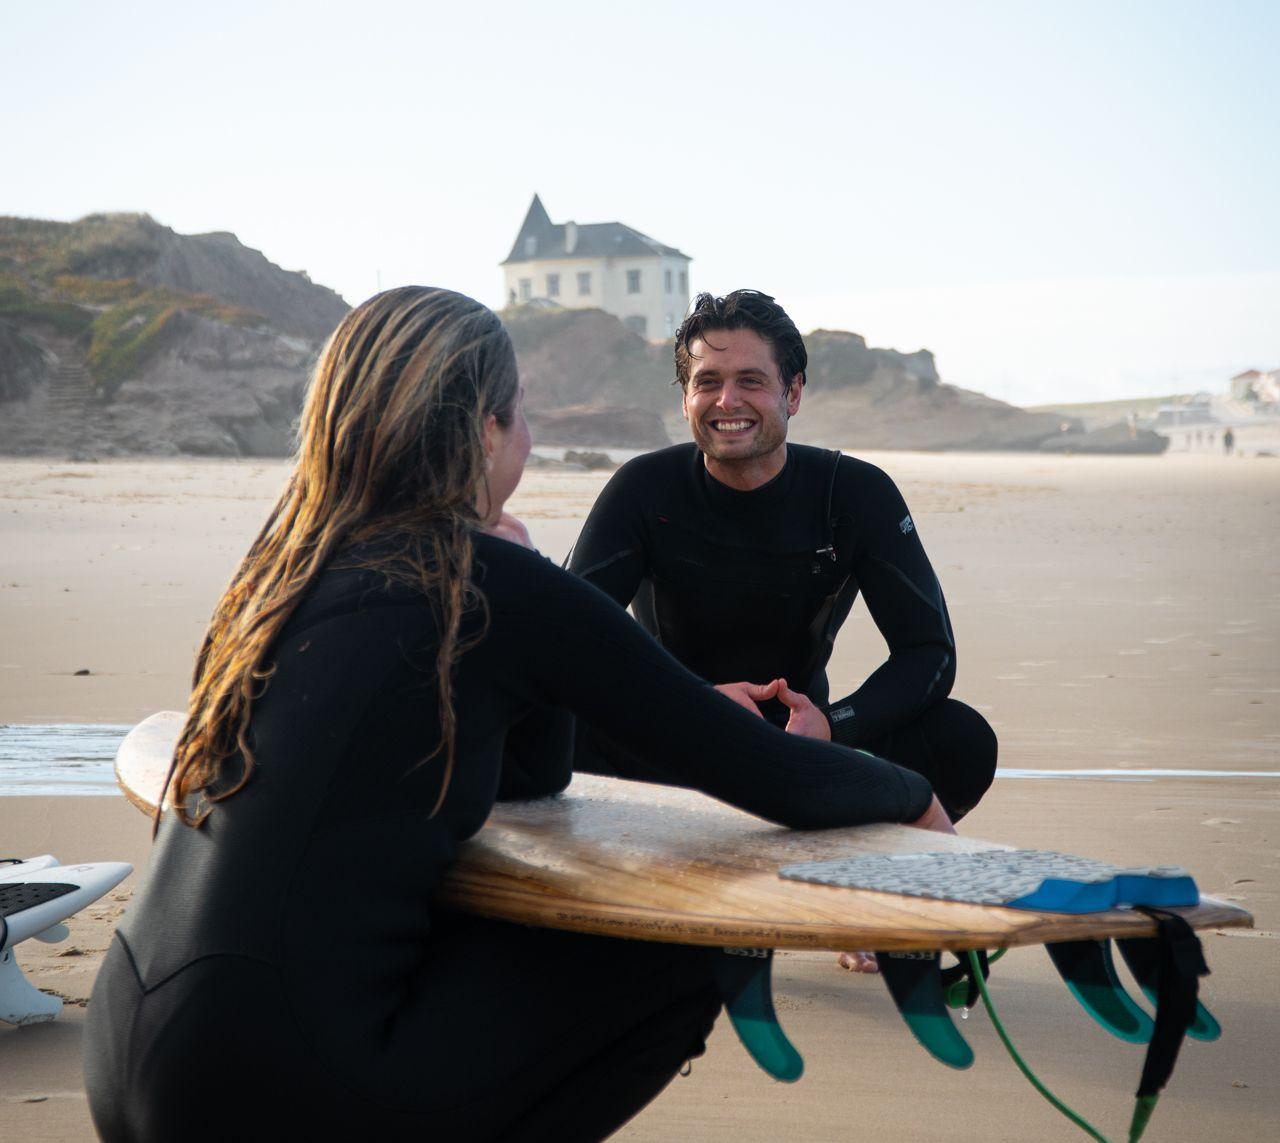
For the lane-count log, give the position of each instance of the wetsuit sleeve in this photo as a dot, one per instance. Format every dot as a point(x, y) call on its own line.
point(905, 601)
point(560, 641)
point(611, 552)
point(538, 757)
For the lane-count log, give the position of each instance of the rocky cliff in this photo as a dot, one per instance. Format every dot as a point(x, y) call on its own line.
point(856, 397)
point(861, 397)
point(119, 336)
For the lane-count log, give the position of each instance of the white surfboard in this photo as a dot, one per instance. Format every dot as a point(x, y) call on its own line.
point(36, 897)
point(16, 870)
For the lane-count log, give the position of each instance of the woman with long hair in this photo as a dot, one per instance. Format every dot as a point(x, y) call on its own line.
point(389, 659)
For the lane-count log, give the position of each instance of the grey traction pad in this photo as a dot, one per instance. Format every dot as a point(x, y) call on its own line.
point(990, 877)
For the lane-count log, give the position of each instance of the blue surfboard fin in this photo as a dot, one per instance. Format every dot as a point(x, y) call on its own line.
point(914, 981)
point(1142, 955)
point(744, 979)
point(1090, 974)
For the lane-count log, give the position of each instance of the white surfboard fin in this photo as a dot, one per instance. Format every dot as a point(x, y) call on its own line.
point(20, 1001)
point(53, 934)
point(36, 897)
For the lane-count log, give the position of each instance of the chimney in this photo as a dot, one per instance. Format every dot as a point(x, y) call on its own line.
point(570, 237)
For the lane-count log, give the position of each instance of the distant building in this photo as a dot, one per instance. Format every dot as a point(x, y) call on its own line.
point(1193, 410)
point(599, 265)
point(1254, 385)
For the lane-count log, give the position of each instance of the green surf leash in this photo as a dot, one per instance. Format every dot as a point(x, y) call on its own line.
point(1076, 1118)
point(1144, 1105)
point(957, 989)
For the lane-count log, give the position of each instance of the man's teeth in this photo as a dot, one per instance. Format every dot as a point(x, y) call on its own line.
point(731, 426)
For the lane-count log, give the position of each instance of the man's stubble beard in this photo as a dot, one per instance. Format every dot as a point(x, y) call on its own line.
point(766, 441)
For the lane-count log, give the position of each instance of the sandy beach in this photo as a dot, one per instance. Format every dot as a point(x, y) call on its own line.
point(1117, 613)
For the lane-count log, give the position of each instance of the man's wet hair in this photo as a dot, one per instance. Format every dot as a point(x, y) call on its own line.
point(742, 309)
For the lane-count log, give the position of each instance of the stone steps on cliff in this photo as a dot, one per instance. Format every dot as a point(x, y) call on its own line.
point(70, 389)
point(70, 396)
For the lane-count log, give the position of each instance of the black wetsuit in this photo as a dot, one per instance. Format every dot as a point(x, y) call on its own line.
point(752, 586)
point(283, 974)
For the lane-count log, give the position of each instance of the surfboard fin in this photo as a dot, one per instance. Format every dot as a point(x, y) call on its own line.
point(1142, 955)
point(1090, 974)
point(21, 1002)
point(744, 977)
point(914, 981)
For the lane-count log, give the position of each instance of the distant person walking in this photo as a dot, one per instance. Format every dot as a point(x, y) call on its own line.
point(1228, 442)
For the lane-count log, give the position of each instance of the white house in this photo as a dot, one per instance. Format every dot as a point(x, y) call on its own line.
point(599, 265)
point(1254, 385)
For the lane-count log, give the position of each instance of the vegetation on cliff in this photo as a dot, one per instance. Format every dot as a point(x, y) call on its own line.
point(125, 322)
point(60, 276)
point(118, 335)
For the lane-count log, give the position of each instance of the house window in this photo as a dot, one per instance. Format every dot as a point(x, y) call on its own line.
point(526, 289)
point(666, 281)
point(553, 285)
point(670, 323)
point(530, 247)
point(636, 323)
point(684, 281)
point(584, 284)
point(633, 281)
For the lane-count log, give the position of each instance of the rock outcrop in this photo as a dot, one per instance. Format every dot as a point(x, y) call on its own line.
point(588, 357)
point(136, 248)
point(1115, 439)
point(120, 337)
point(24, 364)
point(861, 397)
point(857, 396)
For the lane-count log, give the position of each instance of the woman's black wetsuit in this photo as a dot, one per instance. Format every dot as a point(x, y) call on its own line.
point(282, 973)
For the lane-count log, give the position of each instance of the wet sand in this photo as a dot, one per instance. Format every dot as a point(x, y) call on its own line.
point(1110, 613)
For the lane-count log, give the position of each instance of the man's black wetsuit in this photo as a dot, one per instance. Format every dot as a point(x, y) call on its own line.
point(752, 586)
point(283, 974)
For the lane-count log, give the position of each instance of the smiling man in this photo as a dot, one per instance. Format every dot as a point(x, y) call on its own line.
point(742, 554)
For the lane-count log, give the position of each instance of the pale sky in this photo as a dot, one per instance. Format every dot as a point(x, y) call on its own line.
point(1063, 200)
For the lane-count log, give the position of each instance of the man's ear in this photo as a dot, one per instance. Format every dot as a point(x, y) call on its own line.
point(794, 394)
point(684, 403)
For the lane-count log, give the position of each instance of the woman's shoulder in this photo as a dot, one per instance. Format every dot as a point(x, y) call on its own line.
point(498, 558)
point(515, 577)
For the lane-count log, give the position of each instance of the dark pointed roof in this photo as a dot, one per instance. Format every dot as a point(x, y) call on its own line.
point(540, 238)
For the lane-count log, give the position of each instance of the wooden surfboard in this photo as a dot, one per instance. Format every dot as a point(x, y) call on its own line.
point(628, 859)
